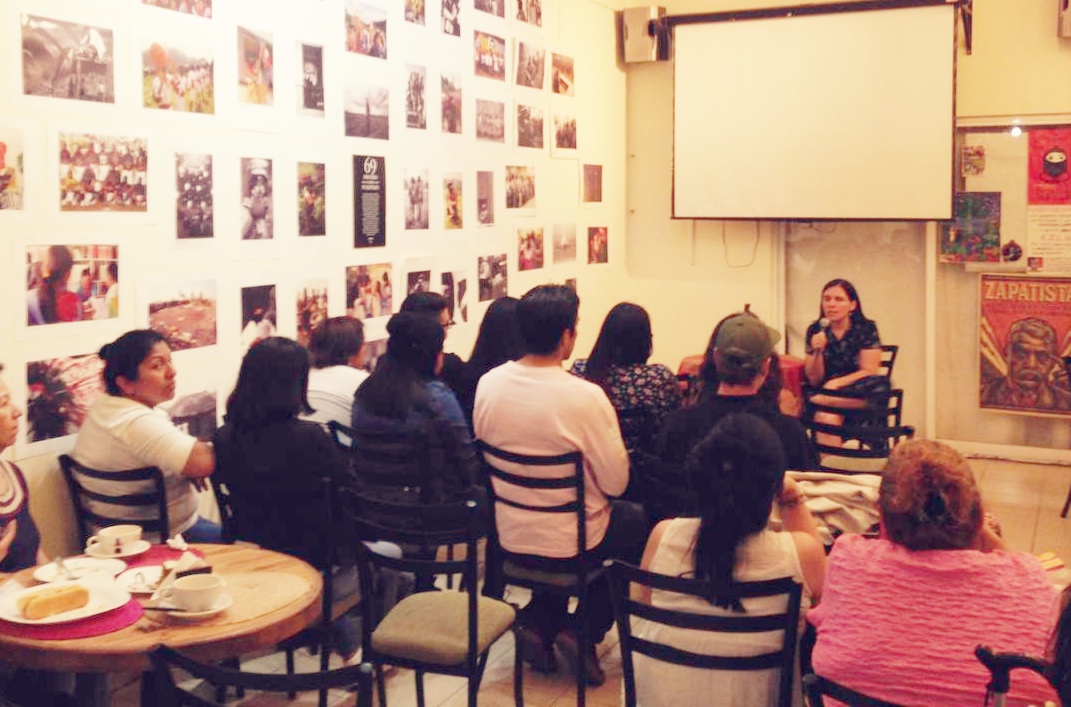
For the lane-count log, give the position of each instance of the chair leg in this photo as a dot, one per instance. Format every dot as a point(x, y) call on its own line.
point(518, 671)
point(233, 664)
point(381, 685)
point(420, 688)
point(1067, 504)
point(289, 670)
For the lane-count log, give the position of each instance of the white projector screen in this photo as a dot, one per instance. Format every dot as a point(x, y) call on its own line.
point(847, 115)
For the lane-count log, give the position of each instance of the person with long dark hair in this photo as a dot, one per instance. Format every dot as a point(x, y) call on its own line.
point(499, 340)
point(737, 474)
point(49, 301)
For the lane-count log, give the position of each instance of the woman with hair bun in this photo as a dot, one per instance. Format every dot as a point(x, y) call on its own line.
point(50, 301)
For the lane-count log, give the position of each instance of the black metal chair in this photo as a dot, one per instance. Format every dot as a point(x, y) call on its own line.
point(815, 687)
point(888, 359)
point(343, 435)
point(1000, 666)
point(169, 694)
point(875, 429)
point(448, 632)
point(144, 502)
point(572, 582)
point(1067, 501)
point(623, 575)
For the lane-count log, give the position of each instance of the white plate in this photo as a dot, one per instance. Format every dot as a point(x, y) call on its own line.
point(80, 568)
point(141, 580)
point(135, 548)
point(222, 604)
point(103, 596)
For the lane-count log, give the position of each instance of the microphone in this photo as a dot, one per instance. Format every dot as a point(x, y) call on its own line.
point(823, 323)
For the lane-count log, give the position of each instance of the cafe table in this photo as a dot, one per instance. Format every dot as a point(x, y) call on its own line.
point(274, 597)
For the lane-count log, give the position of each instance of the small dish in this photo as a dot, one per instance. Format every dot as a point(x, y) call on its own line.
point(222, 604)
point(135, 548)
point(79, 567)
point(141, 580)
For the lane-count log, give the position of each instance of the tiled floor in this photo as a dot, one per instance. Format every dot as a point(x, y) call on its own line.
point(1026, 498)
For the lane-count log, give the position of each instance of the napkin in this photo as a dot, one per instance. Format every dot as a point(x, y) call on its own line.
point(188, 561)
point(178, 543)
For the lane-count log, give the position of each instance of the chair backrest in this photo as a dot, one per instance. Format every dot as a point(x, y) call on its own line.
point(169, 694)
point(343, 435)
point(815, 687)
point(228, 515)
point(888, 359)
point(637, 429)
point(876, 429)
point(1000, 666)
point(623, 575)
point(143, 500)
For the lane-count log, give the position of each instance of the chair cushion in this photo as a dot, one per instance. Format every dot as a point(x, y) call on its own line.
point(854, 465)
point(561, 580)
point(433, 627)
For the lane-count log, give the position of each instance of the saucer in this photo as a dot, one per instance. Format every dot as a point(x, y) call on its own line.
point(79, 567)
point(134, 548)
point(222, 604)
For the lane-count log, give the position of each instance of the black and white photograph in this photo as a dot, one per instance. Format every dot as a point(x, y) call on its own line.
point(311, 307)
point(489, 54)
point(414, 11)
point(530, 11)
point(369, 201)
point(490, 120)
point(493, 277)
point(564, 243)
point(366, 28)
point(256, 215)
point(312, 198)
point(529, 248)
point(311, 58)
point(369, 291)
point(485, 198)
point(591, 183)
point(259, 316)
point(531, 65)
point(184, 313)
point(256, 67)
point(564, 131)
point(376, 349)
point(197, 8)
point(529, 126)
point(561, 74)
point(193, 203)
point(67, 60)
point(367, 110)
point(451, 17)
point(415, 114)
point(12, 163)
point(492, 7)
point(71, 283)
point(455, 289)
point(452, 202)
point(416, 199)
point(102, 173)
point(178, 76)
point(520, 187)
point(418, 281)
point(451, 97)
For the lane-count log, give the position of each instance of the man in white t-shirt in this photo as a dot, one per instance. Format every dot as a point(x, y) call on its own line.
point(532, 406)
point(338, 354)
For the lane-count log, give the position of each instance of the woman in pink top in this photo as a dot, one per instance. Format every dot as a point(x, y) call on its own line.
point(901, 615)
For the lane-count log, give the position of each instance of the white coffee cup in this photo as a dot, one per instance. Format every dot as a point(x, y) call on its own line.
point(195, 592)
point(115, 539)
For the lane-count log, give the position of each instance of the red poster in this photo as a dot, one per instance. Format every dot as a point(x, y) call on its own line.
point(1049, 178)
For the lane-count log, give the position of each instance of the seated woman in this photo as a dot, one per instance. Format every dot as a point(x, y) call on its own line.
point(843, 354)
point(124, 430)
point(901, 615)
point(618, 363)
point(338, 351)
point(498, 341)
point(19, 539)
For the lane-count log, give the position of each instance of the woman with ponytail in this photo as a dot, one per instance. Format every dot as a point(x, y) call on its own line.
point(901, 615)
point(737, 473)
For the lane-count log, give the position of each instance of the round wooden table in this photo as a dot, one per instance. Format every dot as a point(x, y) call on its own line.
point(275, 596)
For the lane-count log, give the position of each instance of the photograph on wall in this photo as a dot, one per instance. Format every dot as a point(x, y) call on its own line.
point(416, 199)
point(520, 187)
point(59, 393)
point(531, 65)
point(451, 98)
point(67, 60)
point(366, 28)
point(485, 198)
point(598, 246)
point(312, 198)
point(564, 243)
point(414, 11)
point(529, 126)
point(193, 203)
point(489, 55)
point(184, 313)
point(454, 289)
point(1025, 332)
point(367, 110)
point(194, 414)
point(369, 291)
point(256, 213)
point(462, 297)
point(564, 133)
point(591, 181)
point(415, 115)
point(493, 276)
point(102, 173)
point(561, 74)
point(374, 350)
point(529, 248)
point(369, 201)
point(452, 202)
point(199, 8)
point(972, 161)
point(492, 7)
point(490, 120)
point(178, 76)
point(974, 236)
point(530, 11)
point(12, 169)
point(256, 64)
point(311, 307)
point(1048, 180)
point(259, 315)
point(71, 283)
point(451, 17)
point(311, 91)
point(418, 281)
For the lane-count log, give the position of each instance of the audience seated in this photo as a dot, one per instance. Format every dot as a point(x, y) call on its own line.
point(901, 615)
point(532, 406)
point(738, 473)
point(124, 430)
point(338, 352)
point(498, 341)
point(436, 305)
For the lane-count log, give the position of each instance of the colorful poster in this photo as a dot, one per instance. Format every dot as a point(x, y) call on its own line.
point(1048, 179)
point(60, 393)
point(369, 201)
point(1025, 333)
point(974, 237)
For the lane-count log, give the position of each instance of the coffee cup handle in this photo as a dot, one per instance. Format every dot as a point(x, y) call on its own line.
point(166, 593)
point(93, 540)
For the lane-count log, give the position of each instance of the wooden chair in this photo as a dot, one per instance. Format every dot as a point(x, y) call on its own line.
point(572, 582)
point(815, 687)
point(623, 575)
point(144, 501)
point(169, 694)
point(888, 359)
point(1000, 666)
point(448, 632)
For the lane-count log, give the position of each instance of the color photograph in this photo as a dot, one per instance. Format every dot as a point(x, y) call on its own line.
point(493, 276)
point(259, 315)
point(199, 8)
point(256, 67)
point(102, 173)
point(256, 213)
point(529, 126)
point(185, 315)
point(67, 60)
point(60, 391)
point(311, 58)
point(375, 351)
point(416, 198)
point(367, 110)
point(485, 198)
point(415, 115)
point(452, 201)
point(489, 54)
point(592, 183)
point(531, 65)
point(492, 7)
point(598, 248)
point(490, 120)
point(520, 187)
point(451, 98)
point(311, 307)
point(71, 283)
point(12, 175)
point(561, 74)
point(193, 203)
point(529, 248)
point(974, 237)
point(564, 243)
point(366, 29)
point(312, 195)
point(178, 77)
point(414, 11)
point(369, 291)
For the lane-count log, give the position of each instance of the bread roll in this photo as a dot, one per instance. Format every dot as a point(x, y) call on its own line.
point(52, 601)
